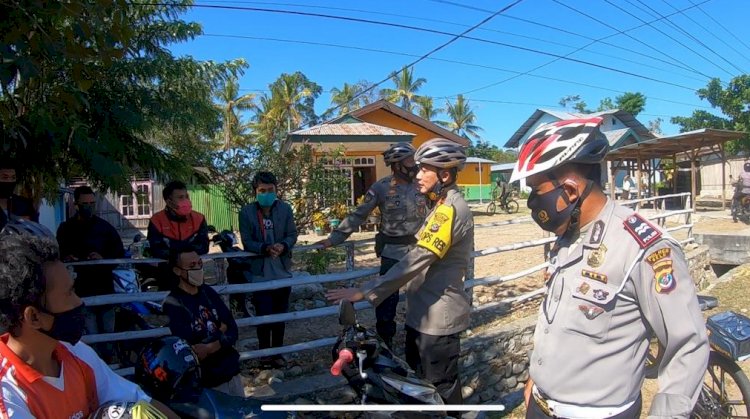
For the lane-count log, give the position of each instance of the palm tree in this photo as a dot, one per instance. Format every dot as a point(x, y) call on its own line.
point(462, 118)
point(293, 97)
point(406, 88)
point(230, 103)
point(345, 99)
point(427, 109)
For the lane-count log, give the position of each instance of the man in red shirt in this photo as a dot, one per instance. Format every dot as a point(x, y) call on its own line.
point(45, 371)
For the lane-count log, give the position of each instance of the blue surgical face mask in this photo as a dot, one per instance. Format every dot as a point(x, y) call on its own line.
point(266, 199)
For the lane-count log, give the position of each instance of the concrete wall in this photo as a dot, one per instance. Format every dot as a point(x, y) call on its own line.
point(699, 264)
point(727, 249)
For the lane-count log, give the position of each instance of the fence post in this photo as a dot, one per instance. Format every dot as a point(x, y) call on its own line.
point(689, 216)
point(349, 256)
point(220, 270)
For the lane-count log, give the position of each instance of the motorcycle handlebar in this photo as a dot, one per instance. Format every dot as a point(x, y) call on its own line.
point(346, 356)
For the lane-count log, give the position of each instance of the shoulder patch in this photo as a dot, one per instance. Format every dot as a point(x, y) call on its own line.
point(370, 195)
point(438, 230)
point(642, 231)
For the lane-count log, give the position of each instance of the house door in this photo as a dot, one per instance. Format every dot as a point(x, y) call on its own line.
point(364, 177)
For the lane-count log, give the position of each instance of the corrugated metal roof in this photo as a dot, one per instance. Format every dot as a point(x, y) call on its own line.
point(616, 135)
point(352, 128)
point(502, 167)
point(478, 160)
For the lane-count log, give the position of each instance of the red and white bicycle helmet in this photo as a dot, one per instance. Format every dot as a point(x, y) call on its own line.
point(554, 144)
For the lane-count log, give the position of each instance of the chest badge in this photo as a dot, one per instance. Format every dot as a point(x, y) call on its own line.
point(596, 257)
point(591, 312)
point(601, 295)
point(596, 276)
point(583, 288)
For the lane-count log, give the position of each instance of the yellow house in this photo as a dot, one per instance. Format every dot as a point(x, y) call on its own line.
point(366, 132)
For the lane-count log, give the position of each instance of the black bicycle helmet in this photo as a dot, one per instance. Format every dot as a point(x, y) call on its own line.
point(22, 227)
point(441, 153)
point(557, 143)
point(168, 370)
point(398, 152)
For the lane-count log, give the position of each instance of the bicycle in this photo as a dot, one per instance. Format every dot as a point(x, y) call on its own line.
point(725, 392)
point(509, 205)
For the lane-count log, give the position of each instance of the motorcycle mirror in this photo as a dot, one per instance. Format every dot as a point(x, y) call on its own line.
point(347, 315)
point(137, 238)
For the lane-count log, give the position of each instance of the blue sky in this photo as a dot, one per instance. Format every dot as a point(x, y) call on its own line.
point(671, 57)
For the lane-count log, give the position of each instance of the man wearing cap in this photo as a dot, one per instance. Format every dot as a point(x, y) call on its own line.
point(433, 273)
point(614, 280)
point(403, 210)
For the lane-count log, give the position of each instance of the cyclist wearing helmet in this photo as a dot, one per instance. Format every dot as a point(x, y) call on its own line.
point(403, 210)
point(433, 273)
point(46, 372)
point(613, 278)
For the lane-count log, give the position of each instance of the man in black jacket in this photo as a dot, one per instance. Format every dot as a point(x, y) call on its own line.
point(12, 205)
point(88, 237)
point(198, 315)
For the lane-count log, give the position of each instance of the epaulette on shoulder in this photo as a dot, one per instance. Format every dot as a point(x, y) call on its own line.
point(642, 231)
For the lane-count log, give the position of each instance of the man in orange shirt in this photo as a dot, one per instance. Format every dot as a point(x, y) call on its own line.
point(45, 371)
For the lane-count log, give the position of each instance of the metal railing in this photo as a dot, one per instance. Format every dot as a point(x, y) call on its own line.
point(352, 275)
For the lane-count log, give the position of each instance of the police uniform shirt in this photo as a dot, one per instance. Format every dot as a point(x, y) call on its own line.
point(434, 271)
point(607, 292)
point(402, 212)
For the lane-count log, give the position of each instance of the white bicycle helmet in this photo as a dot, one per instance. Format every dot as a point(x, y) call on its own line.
point(22, 227)
point(441, 153)
point(554, 144)
point(398, 152)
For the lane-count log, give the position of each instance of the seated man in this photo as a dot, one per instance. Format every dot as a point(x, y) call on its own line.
point(47, 372)
point(12, 205)
point(741, 190)
point(88, 237)
point(198, 315)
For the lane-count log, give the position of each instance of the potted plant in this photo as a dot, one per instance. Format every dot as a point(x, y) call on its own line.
point(338, 212)
point(319, 223)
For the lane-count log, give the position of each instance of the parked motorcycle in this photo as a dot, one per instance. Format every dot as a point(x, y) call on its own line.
point(741, 206)
point(168, 370)
point(237, 269)
point(374, 372)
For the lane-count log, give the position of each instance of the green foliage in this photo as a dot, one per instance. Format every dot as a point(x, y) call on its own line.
point(290, 105)
point(318, 262)
point(631, 102)
point(485, 150)
point(304, 179)
point(462, 118)
point(734, 103)
point(234, 132)
point(350, 98)
point(406, 88)
point(427, 109)
point(89, 88)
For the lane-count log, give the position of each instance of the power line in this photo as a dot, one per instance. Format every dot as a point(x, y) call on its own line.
point(425, 56)
point(599, 40)
point(644, 23)
point(696, 23)
point(518, 47)
point(698, 6)
point(465, 63)
point(689, 35)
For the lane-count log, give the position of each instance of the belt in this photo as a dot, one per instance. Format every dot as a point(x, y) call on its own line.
point(556, 409)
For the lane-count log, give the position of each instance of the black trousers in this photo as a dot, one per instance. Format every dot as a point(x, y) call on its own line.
point(385, 313)
point(535, 412)
point(271, 302)
point(435, 359)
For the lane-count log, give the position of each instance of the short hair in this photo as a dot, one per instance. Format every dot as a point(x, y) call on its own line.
point(82, 190)
point(592, 172)
point(172, 186)
point(175, 253)
point(22, 281)
point(264, 177)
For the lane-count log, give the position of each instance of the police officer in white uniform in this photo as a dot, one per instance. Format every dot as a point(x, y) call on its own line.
point(614, 280)
point(402, 212)
point(433, 273)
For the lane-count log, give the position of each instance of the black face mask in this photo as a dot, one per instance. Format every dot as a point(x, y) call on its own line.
point(67, 326)
point(544, 209)
point(85, 210)
point(6, 189)
point(406, 173)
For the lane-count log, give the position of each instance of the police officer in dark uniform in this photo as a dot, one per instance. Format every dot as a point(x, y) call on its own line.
point(403, 210)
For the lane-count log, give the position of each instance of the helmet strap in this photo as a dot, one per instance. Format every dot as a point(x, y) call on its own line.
point(575, 215)
point(401, 172)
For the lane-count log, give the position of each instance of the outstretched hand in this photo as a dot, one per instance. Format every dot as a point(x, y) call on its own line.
point(326, 243)
point(350, 294)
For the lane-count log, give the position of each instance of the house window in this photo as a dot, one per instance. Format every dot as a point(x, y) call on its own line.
point(137, 204)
